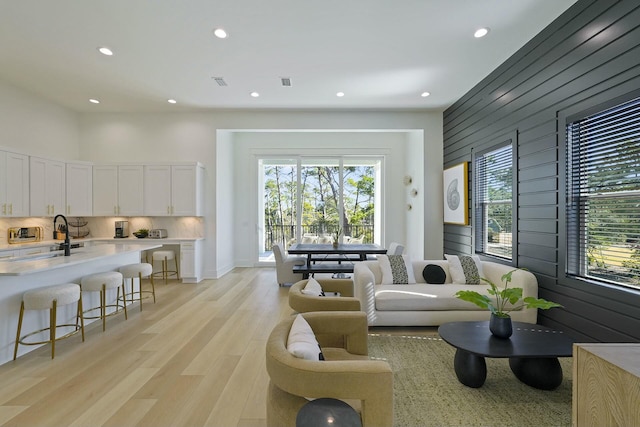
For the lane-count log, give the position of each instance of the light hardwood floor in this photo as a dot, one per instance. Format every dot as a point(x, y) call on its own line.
point(195, 358)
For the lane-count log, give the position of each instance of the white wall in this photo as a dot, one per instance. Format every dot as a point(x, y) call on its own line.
point(35, 126)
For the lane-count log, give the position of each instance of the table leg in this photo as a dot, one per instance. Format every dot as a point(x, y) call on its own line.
point(544, 373)
point(471, 369)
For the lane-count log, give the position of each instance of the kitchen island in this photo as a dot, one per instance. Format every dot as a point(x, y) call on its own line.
point(18, 275)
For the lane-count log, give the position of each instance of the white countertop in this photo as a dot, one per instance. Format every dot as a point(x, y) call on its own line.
point(78, 256)
point(131, 240)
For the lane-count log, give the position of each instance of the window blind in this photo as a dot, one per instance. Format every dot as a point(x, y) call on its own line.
point(494, 202)
point(603, 200)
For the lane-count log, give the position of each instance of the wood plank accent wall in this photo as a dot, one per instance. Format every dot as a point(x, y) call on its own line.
point(588, 56)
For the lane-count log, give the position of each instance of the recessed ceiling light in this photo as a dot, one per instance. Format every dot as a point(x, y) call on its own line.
point(171, 101)
point(94, 101)
point(340, 94)
point(220, 33)
point(105, 51)
point(425, 94)
point(255, 94)
point(481, 32)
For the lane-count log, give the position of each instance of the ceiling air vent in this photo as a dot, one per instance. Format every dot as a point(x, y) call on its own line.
point(286, 81)
point(220, 81)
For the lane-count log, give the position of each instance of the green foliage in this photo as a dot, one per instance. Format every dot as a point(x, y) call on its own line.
point(502, 297)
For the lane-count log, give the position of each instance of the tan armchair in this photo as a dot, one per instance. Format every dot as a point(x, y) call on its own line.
point(284, 265)
point(346, 373)
point(304, 303)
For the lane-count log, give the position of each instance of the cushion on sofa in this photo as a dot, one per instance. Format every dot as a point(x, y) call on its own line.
point(396, 269)
point(465, 269)
point(420, 297)
point(302, 341)
point(434, 274)
point(313, 288)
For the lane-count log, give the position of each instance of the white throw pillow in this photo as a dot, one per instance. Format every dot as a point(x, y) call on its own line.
point(302, 341)
point(465, 269)
point(396, 269)
point(313, 288)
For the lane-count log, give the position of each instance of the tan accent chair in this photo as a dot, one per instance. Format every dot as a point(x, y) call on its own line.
point(303, 303)
point(284, 265)
point(346, 373)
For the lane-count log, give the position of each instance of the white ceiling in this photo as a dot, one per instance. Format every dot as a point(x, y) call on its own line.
point(381, 53)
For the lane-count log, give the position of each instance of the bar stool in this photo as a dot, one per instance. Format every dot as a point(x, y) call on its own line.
point(139, 271)
point(101, 282)
point(165, 257)
point(50, 298)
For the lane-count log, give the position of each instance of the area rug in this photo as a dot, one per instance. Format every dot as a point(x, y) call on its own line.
point(427, 392)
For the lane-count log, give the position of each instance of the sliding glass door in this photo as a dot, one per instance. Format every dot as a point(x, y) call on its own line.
point(319, 200)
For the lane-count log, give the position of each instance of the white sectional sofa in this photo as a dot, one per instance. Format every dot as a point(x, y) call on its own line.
point(423, 304)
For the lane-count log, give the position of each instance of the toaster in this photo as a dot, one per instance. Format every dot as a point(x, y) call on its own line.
point(157, 233)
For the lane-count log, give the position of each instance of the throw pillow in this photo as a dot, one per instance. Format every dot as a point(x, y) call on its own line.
point(313, 288)
point(465, 269)
point(396, 269)
point(302, 341)
point(434, 274)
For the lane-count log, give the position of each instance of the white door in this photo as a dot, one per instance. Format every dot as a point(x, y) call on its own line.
point(79, 186)
point(130, 190)
point(105, 190)
point(17, 174)
point(184, 190)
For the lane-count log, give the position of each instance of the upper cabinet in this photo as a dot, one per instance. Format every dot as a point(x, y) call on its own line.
point(173, 190)
point(14, 184)
point(47, 187)
point(118, 190)
point(79, 189)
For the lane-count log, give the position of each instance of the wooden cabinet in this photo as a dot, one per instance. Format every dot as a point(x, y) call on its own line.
point(173, 190)
point(118, 190)
point(191, 261)
point(79, 189)
point(14, 184)
point(47, 187)
point(606, 385)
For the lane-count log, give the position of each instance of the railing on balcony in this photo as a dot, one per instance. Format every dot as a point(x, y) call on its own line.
point(286, 233)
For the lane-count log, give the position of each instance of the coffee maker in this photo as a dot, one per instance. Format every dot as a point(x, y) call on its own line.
point(122, 229)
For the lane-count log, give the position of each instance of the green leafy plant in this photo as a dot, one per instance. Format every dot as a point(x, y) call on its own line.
point(503, 296)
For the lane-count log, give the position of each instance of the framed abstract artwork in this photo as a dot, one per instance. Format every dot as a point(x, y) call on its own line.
point(456, 195)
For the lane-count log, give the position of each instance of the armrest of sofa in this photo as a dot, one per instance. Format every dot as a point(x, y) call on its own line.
point(363, 287)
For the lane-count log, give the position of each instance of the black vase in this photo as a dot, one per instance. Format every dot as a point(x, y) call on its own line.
point(500, 326)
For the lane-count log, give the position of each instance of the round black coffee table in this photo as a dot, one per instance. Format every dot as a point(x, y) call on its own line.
point(533, 352)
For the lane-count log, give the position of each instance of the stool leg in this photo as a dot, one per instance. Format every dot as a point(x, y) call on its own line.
point(175, 261)
point(103, 309)
point(52, 327)
point(153, 287)
point(124, 299)
point(165, 267)
point(15, 350)
point(81, 317)
point(139, 291)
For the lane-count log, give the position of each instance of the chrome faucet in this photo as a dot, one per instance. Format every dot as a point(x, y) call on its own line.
point(66, 245)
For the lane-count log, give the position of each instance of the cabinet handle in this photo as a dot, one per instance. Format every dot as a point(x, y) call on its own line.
point(53, 209)
point(115, 210)
point(10, 208)
point(169, 209)
point(4, 209)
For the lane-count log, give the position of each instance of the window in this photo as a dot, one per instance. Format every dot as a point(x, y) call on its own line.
point(603, 200)
point(312, 199)
point(494, 201)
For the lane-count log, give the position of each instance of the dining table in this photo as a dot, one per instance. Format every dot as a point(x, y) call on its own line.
point(327, 258)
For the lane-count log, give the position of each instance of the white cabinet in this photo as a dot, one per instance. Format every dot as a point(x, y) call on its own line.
point(173, 190)
point(191, 261)
point(8, 254)
point(79, 189)
point(14, 184)
point(118, 190)
point(47, 187)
